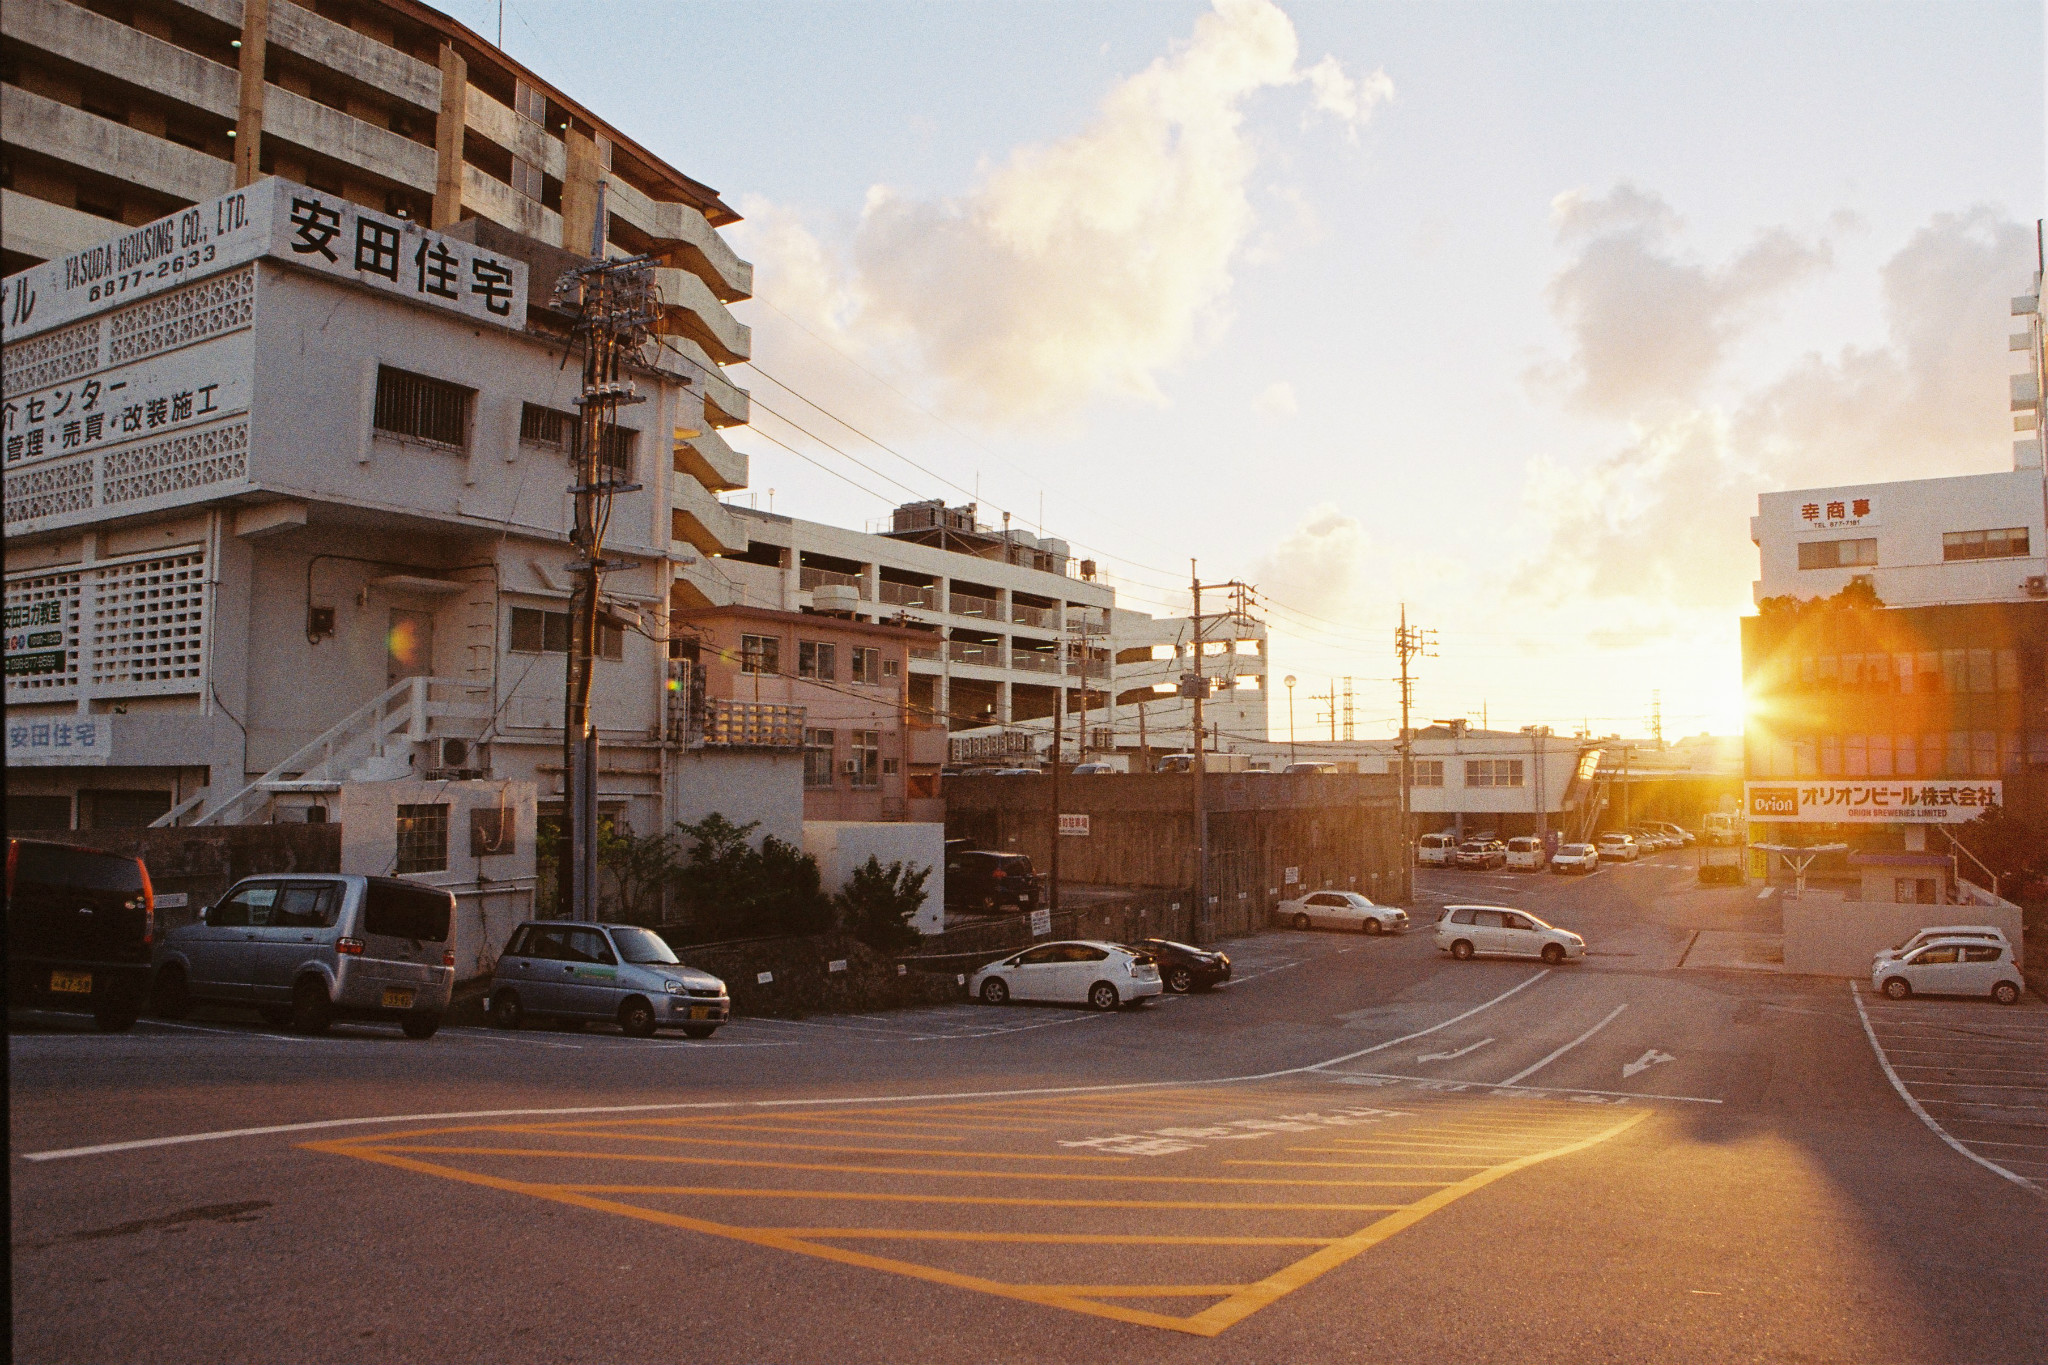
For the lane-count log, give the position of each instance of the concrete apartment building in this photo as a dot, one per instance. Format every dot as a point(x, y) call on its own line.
point(304, 442)
point(1874, 721)
point(1009, 630)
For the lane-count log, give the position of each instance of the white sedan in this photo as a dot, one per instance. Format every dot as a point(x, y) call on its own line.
point(1952, 966)
point(1341, 910)
point(1465, 931)
point(1619, 848)
point(1079, 972)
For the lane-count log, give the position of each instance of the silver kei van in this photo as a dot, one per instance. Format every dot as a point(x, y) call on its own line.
point(614, 973)
point(305, 949)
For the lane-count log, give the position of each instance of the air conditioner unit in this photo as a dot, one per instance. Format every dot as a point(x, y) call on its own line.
point(451, 753)
point(2037, 586)
point(849, 767)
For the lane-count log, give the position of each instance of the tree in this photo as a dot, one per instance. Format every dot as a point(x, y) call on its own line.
point(877, 903)
point(2007, 845)
point(639, 868)
point(728, 889)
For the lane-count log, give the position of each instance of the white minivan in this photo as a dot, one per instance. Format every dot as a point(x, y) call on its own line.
point(1436, 850)
point(1527, 854)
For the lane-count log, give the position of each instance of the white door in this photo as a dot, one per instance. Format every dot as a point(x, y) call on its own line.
point(1036, 973)
point(1083, 968)
point(1933, 970)
point(1978, 970)
point(1518, 935)
point(1487, 935)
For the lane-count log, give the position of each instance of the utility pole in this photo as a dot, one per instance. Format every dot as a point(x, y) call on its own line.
point(1348, 731)
point(1059, 730)
point(1657, 716)
point(1409, 643)
point(614, 305)
point(1194, 684)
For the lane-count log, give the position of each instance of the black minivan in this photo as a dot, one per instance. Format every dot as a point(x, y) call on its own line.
point(80, 927)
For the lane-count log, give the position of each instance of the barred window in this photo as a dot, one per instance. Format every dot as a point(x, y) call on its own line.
point(1426, 772)
point(562, 433)
point(547, 427)
point(417, 408)
point(423, 838)
point(818, 758)
point(547, 632)
point(760, 654)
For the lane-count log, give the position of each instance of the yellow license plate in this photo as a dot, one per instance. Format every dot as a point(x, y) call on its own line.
point(700, 1011)
point(398, 1000)
point(78, 983)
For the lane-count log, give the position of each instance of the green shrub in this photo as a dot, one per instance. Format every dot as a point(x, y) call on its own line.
point(877, 903)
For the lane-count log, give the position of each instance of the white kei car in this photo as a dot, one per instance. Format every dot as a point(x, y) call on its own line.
point(1341, 910)
point(1989, 933)
point(1077, 972)
point(1952, 966)
point(1467, 931)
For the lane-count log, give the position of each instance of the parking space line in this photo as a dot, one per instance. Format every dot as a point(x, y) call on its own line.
point(1920, 1111)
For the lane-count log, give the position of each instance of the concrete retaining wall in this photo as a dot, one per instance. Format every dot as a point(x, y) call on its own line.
point(1828, 936)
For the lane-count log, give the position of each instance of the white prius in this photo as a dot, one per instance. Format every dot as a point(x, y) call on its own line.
point(1078, 972)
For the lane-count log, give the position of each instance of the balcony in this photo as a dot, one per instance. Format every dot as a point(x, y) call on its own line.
point(808, 578)
point(971, 604)
point(910, 595)
point(1043, 618)
point(928, 653)
point(1035, 660)
point(752, 725)
point(989, 655)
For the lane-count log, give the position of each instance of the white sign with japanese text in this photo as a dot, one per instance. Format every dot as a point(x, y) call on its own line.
point(1881, 800)
point(48, 741)
point(1075, 825)
point(154, 397)
point(1041, 923)
point(1838, 514)
point(282, 221)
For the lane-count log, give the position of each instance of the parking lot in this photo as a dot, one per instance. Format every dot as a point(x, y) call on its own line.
point(1652, 1162)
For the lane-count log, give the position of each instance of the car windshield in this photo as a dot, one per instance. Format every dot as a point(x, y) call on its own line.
point(643, 945)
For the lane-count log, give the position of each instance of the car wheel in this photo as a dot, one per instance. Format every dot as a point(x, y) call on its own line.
point(421, 1024)
point(1897, 988)
point(506, 1011)
point(1462, 950)
point(1301, 921)
point(995, 991)
point(699, 1031)
point(1103, 996)
point(2005, 993)
point(312, 1011)
point(1552, 954)
point(636, 1018)
point(1180, 981)
point(168, 996)
point(1372, 926)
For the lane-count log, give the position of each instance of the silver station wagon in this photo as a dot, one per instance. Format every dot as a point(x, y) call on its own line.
point(616, 973)
point(305, 949)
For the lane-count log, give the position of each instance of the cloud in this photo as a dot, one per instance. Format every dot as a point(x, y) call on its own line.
point(1075, 268)
point(1277, 400)
point(1648, 326)
point(1661, 519)
point(1320, 566)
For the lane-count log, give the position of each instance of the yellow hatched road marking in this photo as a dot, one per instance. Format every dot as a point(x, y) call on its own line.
point(832, 1147)
point(1237, 1302)
point(1143, 1239)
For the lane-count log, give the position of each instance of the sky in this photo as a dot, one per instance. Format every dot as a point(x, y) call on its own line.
point(1505, 312)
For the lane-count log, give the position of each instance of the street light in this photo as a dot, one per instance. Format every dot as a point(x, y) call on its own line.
point(1289, 680)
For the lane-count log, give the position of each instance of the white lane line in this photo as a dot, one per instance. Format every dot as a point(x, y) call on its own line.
point(232, 1032)
point(1532, 1070)
point(1450, 1056)
point(1452, 1087)
point(1914, 1105)
point(182, 1139)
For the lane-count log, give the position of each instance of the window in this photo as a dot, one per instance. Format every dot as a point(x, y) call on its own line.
point(867, 758)
point(309, 905)
point(1836, 554)
point(526, 178)
point(818, 758)
point(2008, 543)
point(588, 945)
point(1982, 954)
point(867, 665)
point(1426, 772)
point(889, 768)
point(416, 408)
point(423, 838)
point(249, 908)
point(1487, 919)
point(1462, 916)
point(760, 654)
point(548, 427)
point(891, 667)
point(547, 632)
point(815, 659)
point(1928, 957)
point(397, 910)
point(1493, 772)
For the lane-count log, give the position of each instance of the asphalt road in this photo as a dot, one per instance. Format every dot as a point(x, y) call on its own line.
point(1359, 1150)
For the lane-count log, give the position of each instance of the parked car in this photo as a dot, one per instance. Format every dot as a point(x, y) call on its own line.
point(1988, 933)
point(1015, 772)
point(79, 929)
point(616, 973)
point(1466, 931)
point(1341, 910)
point(1079, 972)
point(1653, 839)
point(305, 949)
point(1481, 854)
point(1094, 769)
point(1684, 836)
point(1182, 967)
point(1951, 966)
point(1436, 850)
point(981, 880)
point(1575, 858)
point(1619, 848)
point(1526, 853)
point(1311, 768)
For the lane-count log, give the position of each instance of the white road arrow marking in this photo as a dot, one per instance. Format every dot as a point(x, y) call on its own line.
point(1645, 1062)
point(1447, 1056)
